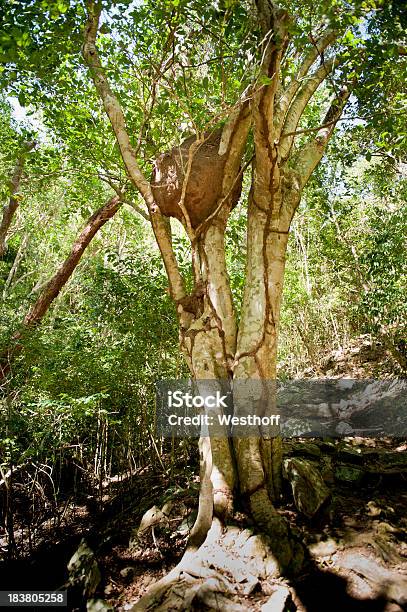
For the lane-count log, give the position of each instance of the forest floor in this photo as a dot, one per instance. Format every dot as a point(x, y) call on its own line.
point(356, 542)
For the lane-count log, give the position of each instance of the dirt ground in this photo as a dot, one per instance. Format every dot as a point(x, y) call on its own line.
point(357, 546)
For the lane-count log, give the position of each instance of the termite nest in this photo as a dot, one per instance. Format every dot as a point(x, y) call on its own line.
point(204, 188)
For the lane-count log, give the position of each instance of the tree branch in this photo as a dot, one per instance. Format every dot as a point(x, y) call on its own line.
point(55, 284)
point(300, 103)
point(309, 156)
point(60, 278)
point(233, 141)
point(264, 98)
point(288, 95)
point(115, 113)
point(138, 210)
point(10, 208)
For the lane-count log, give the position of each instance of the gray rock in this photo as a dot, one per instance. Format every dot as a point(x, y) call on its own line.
point(83, 569)
point(127, 572)
point(309, 489)
point(98, 605)
point(279, 601)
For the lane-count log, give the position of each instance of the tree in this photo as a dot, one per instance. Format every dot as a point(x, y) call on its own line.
point(58, 280)
point(10, 208)
point(276, 112)
point(211, 342)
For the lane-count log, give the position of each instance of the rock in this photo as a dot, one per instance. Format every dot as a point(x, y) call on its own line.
point(350, 455)
point(309, 489)
point(373, 509)
point(323, 549)
point(349, 474)
point(152, 517)
point(127, 572)
point(83, 569)
point(279, 601)
point(306, 448)
point(98, 605)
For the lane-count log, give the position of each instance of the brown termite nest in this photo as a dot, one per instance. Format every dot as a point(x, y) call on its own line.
point(204, 187)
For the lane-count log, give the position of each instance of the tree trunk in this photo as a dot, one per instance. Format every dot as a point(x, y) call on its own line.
point(63, 274)
point(60, 278)
point(10, 208)
point(208, 344)
point(246, 469)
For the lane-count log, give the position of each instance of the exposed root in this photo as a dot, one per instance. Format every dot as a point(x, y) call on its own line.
point(224, 571)
point(205, 510)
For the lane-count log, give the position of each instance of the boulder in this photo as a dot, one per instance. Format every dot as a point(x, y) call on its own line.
point(308, 487)
point(83, 570)
point(280, 600)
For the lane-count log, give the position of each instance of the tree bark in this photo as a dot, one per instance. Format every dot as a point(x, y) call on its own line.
point(63, 274)
point(10, 208)
point(60, 278)
point(208, 344)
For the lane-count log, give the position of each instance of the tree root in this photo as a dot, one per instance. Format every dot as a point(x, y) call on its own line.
point(226, 568)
